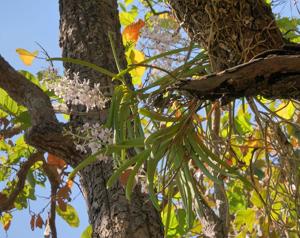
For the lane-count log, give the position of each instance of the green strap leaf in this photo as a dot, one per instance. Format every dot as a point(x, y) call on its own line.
point(89, 160)
point(156, 116)
point(125, 166)
point(85, 63)
point(130, 183)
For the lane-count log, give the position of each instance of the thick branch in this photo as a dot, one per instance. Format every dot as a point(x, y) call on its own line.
point(232, 32)
point(26, 93)
point(277, 76)
point(46, 132)
point(21, 175)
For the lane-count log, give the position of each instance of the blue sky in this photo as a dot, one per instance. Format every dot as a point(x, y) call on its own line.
point(22, 23)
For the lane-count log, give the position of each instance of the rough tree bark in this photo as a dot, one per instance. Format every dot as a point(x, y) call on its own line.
point(233, 32)
point(84, 27)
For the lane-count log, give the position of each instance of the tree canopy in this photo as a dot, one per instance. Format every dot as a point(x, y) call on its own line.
point(202, 119)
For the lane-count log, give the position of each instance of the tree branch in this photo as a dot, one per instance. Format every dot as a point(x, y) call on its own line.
point(46, 132)
point(276, 76)
point(21, 175)
point(154, 12)
point(10, 132)
point(26, 93)
point(54, 182)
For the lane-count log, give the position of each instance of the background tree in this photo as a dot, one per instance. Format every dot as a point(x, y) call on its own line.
point(211, 168)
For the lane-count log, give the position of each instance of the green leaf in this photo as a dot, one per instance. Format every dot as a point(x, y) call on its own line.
point(245, 218)
point(148, 60)
point(169, 209)
point(70, 215)
point(203, 156)
point(128, 17)
point(156, 116)
point(30, 77)
point(242, 121)
point(9, 106)
point(158, 151)
point(87, 233)
point(130, 143)
point(24, 118)
point(89, 160)
point(124, 166)
point(255, 199)
point(127, 2)
point(162, 134)
point(131, 179)
point(85, 63)
point(5, 219)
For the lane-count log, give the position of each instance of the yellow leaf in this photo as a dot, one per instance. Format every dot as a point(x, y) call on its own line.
point(286, 110)
point(26, 56)
point(136, 57)
point(131, 32)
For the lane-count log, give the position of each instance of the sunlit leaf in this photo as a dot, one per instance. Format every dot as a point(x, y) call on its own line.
point(131, 32)
point(5, 219)
point(128, 17)
point(245, 218)
point(87, 233)
point(135, 57)
point(286, 110)
point(70, 215)
point(26, 56)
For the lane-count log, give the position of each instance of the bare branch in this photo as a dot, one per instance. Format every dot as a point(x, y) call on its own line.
point(154, 12)
point(277, 76)
point(54, 186)
point(10, 132)
point(21, 175)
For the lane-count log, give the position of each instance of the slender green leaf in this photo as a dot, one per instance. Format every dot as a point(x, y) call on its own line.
point(132, 176)
point(85, 63)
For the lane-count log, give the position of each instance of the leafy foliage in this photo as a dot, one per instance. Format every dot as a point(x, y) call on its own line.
point(183, 149)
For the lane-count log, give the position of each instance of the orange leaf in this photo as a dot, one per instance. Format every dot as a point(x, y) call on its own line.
point(69, 183)
point(39, 222)
point(55, 161)
point(7, 225)
point(131, 32)
point(64, 192)
point(124, 177)
point(229, 162)
point(32, 221)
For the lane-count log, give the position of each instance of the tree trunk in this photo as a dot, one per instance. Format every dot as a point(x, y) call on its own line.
point(233, 32)
point(84, 27)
